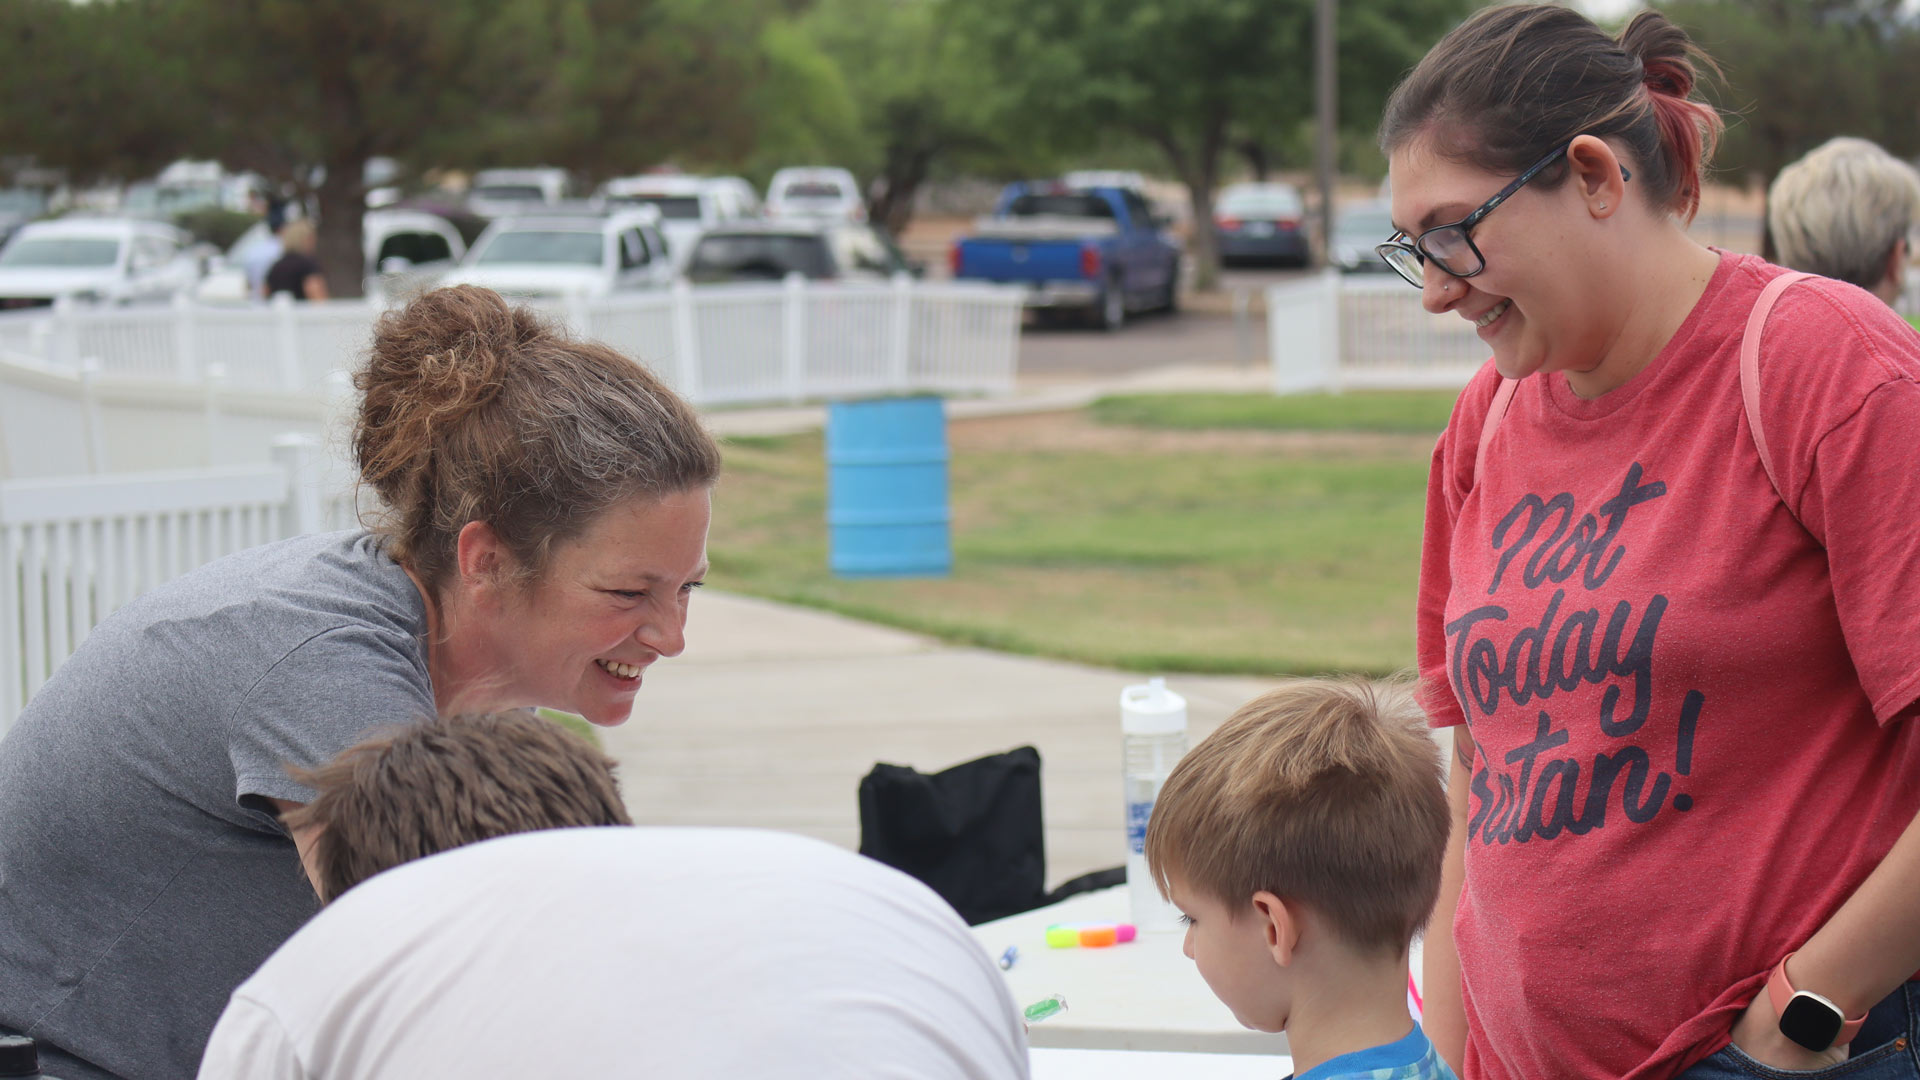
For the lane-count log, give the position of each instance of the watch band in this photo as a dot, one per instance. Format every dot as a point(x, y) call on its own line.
point(1781, 993)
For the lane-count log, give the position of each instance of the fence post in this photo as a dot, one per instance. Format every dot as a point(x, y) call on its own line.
point(299, 455)
point(40, 341)
point(578, 315)
point(185, 360)
point(900, 333)
point(1331, 368)
point(686, 341)
point(90, 419)
point(13, 673)
point(337, 388)
point(215, 386)
point(1303, 334)
point(1242, 327)
point(66, 334)
point(793, 325)
point(286, 340)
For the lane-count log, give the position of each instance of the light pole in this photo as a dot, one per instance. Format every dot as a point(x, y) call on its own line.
point(1326, 146)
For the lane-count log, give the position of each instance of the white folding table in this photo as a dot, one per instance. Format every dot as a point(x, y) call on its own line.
point(1143, 995)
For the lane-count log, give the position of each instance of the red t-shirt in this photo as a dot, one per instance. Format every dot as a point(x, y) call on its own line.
point(1682, 695)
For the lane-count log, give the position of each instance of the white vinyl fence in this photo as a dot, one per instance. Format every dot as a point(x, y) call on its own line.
point(74, 549)
point(715, 344)
point(1365, 331)
point(56, 423)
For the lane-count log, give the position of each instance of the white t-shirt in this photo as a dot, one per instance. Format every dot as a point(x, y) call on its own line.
point(627, 952)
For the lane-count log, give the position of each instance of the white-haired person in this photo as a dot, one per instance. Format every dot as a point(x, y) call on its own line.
point(1846, 211)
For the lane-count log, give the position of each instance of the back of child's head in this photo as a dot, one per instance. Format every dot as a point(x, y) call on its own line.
point(417, 790)
point(1326, 792)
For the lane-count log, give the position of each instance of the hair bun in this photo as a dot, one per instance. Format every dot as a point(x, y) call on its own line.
point(433, 363)
point(1667, 56)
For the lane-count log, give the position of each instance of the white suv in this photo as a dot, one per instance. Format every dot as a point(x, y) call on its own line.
point(547, 256)
point(500, 192)
point(815, 193)
point(96, 261)
point(688, 205)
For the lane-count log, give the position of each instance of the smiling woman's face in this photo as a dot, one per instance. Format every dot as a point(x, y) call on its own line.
point(607, 605)
point(1528, 304)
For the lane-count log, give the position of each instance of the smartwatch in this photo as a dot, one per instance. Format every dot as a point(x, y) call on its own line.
point(1807, 1018)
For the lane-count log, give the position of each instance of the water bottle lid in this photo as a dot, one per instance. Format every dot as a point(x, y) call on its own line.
point(1152, 709)
point(19, 1056)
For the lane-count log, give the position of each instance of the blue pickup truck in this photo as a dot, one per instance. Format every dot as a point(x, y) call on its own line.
point(1096, 251)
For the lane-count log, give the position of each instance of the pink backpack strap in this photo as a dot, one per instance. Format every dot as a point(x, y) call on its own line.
point(1750, 372)
point(1749, 387)
point(1501, 399)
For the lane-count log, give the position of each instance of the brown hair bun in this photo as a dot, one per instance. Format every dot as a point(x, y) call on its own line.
point(474, 409)
point(433, 363)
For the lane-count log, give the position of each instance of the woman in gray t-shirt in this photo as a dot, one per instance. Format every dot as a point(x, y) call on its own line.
point(546, 519)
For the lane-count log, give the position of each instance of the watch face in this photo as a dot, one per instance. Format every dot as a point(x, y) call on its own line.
point(1811, 1021)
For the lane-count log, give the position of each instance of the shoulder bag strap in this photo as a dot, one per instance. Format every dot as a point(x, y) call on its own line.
point(1750, 373)
point(1501, 399)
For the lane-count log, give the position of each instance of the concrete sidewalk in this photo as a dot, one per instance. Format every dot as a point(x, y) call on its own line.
point(774, 713)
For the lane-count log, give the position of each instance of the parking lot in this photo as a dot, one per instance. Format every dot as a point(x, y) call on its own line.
point(1207, 331)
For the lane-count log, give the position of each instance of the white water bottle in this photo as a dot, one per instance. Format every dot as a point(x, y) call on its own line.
point(1153, 727)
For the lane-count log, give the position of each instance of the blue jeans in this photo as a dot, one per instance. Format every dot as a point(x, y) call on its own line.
point(1883, 1050)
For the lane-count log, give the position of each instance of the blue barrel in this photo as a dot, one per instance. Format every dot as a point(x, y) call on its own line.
point(887, 510)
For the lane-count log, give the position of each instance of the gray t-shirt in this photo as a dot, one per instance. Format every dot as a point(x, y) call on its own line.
point(143, 875)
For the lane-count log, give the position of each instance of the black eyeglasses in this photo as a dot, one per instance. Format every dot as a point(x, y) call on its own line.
point(1451, 246)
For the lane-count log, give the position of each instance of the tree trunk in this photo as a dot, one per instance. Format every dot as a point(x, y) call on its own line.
point(902, 175)
point(342, 208)
point(1200, 171)
point(1206, 245)
point(1256, 154)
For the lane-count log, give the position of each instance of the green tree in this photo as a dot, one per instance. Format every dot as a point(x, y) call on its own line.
point(804, 111)
point(1378, 41)
point(1798, 72)
point(304, 93)
point(1190, 77)
point(88, 89)
point(307, 92)
point(635, 84)
point(915, 90)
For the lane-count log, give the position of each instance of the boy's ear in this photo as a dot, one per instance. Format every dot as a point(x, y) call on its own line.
point(1281, 924)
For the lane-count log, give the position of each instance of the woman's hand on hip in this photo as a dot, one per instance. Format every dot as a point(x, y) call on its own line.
point(1757, 1035)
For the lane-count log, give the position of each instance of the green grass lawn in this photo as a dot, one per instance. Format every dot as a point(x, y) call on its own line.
point(1421, 412)
point(1192, 540)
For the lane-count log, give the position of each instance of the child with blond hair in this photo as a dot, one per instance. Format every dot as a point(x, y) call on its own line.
point(1302, 842)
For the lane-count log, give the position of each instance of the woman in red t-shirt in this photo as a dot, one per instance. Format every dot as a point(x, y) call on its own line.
point(1680, 676)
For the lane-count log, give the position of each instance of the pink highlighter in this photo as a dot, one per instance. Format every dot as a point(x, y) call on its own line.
point(1089, 935)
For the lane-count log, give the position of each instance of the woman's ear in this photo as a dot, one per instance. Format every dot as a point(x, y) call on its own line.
point(1597, 175)
point(1281, 924)
point(480, 556)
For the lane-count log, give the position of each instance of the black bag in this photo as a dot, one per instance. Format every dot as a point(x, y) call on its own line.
point(971, 833)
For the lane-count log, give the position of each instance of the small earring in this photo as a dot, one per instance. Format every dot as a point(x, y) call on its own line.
point(1603, 206)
